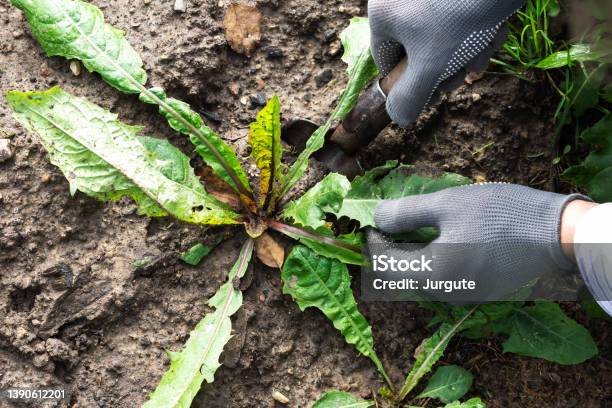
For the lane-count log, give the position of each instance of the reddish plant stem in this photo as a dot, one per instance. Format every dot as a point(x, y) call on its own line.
point(284, 229)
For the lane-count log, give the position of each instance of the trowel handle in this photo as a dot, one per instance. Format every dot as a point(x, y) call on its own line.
point(369, 117)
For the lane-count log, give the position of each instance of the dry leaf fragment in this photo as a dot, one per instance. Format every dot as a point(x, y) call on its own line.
point(269, 251)
point(219, 188)
point(242, 24)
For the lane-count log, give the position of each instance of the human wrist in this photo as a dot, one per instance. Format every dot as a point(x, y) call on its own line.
point(571, 216)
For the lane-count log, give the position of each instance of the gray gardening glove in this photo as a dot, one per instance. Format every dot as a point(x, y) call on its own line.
point(502, 236)
point(443, 39)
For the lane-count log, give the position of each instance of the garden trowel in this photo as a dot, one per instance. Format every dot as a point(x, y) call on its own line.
point(367, 119)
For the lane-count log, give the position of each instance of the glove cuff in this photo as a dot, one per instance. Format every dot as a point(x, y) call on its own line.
point(557, 253)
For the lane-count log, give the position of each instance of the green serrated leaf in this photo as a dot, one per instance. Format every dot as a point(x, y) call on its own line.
point(471, 403)
point(595, 173)
point(430, 351)
point(544, 331)
point(361, 70)
point(323, 283)
point(213, 150)
point(265, 140)
point(448, 384)
point(325, 197)
point(105, 158)
point(340, 399)
point(390, 182)
point(75, 29)
point(199, 359)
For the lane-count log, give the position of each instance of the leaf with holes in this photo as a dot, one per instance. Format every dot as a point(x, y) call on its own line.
point(105, 159)
point(75, 29)
point(325, 197)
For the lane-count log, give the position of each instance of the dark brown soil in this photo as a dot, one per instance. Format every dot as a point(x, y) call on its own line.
point(99, 325)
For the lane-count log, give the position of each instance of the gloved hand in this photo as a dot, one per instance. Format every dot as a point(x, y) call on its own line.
point(442, 40)
point(502, 236)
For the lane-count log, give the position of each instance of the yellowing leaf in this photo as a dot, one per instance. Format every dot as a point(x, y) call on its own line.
point(106, 159)
point(265, 141)
point(269, 251)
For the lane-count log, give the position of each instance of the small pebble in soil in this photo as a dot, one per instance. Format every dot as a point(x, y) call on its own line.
point(324, 77)
point(179, 5)
point(279, 397)
point(212, 116)
point(273, 52)
point(75, 67)
point(258, 100)
point(330, 35)
point(5, 150)
point(234, 88)
point(334, 48)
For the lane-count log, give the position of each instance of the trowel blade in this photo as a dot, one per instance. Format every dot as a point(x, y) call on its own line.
point(296, 132)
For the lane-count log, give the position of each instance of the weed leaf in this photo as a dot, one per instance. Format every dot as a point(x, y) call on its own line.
point(448, 384)
point(325, 197)
point(265, 140)
point(323, 283)
point(199, 359)
point(576, 53)
point(361, 70)
point(213, 150)
point(430, 351)
point(194, 255)
point(544, 331)
point(595, 173)
point(340, 399)
point(105, 159)
point(344, 248)
point(471, 403)
point(75, 29)
point(389, 182)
